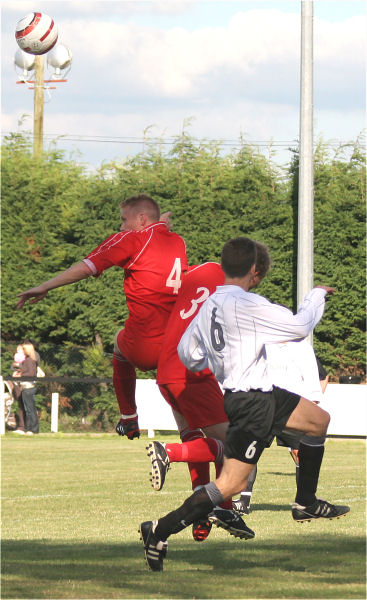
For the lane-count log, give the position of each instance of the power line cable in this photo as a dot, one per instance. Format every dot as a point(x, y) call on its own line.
point(171, 140)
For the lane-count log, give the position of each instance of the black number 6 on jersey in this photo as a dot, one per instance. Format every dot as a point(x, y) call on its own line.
point(216, 333)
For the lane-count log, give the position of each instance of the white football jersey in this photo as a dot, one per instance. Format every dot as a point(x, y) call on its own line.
point(293, 367)
point(229, 334)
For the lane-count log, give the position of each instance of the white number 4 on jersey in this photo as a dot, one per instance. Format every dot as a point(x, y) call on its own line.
point(174, 278)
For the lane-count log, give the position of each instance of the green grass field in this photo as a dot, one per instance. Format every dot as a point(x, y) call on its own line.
point(71, 507)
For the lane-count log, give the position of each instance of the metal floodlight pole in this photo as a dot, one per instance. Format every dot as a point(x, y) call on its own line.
point(38, 106)
point(306, 189)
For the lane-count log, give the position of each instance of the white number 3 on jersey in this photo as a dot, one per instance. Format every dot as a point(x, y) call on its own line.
point(195, 302)
point(174, 278)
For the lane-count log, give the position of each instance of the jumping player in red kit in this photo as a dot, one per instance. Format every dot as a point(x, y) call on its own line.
point(153, 259)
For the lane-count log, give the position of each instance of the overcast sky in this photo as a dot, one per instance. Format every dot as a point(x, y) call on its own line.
point(231, 66)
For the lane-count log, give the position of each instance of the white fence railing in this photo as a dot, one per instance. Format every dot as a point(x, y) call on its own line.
point(346, 403)
point(347, 406)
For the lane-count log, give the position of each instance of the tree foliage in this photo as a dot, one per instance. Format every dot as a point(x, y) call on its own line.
point(54, 213)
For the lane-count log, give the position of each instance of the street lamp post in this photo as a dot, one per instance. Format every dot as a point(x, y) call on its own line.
point(306, 166)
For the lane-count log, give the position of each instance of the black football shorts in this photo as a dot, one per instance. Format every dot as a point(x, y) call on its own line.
point(254, 417)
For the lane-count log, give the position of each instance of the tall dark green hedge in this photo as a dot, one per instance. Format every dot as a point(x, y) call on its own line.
point(54, 212)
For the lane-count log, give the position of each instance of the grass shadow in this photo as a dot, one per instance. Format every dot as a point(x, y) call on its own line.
point(282, 474)
point(47, 569)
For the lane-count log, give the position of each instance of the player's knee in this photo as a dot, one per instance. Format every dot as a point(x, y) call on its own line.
point(320, 426)
point(324, 420)
point(188, 435)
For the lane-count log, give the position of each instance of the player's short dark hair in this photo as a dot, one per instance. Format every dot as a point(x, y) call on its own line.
point(145, 203)
point(263, 260)
point(238, 256)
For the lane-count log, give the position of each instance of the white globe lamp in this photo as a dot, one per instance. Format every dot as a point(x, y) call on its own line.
point(59, 59)
point(25, 62)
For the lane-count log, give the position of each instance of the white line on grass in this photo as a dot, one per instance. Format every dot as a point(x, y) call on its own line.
point(36, 497)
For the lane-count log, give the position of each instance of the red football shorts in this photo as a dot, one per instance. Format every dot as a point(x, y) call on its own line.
point(201, 402)
point(143, 353)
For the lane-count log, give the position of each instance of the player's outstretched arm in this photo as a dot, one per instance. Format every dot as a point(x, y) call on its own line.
point(73, 274)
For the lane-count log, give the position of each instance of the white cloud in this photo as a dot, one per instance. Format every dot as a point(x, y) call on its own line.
point(105, 8)
point(104, 137)
point(256, 121)
point(253, 46)
point(340, 40)
point(253, 120)
point(173, 61)
point(17, 7)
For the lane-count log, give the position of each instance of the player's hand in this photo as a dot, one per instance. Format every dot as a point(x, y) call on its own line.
point(37, 293)
point(328, 290)
point(128, 427)
point(166, 218)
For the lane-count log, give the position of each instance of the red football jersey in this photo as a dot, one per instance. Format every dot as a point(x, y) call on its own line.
point(153, 260)
point(198, 284)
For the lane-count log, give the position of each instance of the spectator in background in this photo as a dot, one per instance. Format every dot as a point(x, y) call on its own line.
point(28, 368)
point(18, 359)
point(38, 358)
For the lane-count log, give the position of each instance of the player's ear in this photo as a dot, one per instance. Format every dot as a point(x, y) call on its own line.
point(255, 280)
point(142, 219)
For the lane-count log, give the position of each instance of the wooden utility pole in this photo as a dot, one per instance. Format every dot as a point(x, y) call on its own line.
point(38, 106)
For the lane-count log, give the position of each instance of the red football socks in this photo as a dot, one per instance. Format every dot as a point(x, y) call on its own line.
point(124, 382)
point(200, 450)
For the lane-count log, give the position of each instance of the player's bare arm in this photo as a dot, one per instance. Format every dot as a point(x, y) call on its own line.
point(75, 273)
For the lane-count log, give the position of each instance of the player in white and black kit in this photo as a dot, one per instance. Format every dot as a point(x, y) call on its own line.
point(228, 336)
point(292, 365)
